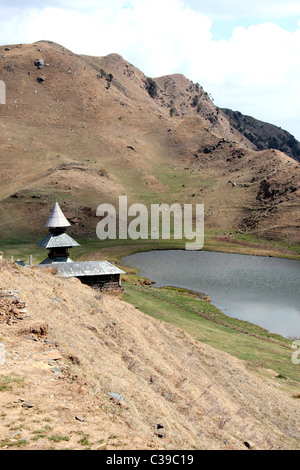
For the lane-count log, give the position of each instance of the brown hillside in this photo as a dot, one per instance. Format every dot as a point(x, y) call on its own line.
point(63, 357)
point(83, 130)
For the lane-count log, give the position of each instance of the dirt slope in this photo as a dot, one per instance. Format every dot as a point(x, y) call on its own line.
point(84, 130)
point(63, 357)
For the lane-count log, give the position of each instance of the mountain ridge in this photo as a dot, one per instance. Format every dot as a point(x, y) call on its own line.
point(83, 130)
point(264, 135)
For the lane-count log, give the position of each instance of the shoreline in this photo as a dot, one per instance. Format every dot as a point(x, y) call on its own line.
point(114, 250)
point(262, 351)
point(268, 337)
point(202, 295)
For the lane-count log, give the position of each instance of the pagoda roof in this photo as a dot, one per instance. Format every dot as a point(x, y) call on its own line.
point(61, 240)
point(57, 218)
point(85, 268)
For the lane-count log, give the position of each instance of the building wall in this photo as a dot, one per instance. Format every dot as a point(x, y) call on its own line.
point(104, 281)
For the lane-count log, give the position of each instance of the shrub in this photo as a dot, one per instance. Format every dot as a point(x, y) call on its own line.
point(195, 101)
point(151, 87)
point(103, 172)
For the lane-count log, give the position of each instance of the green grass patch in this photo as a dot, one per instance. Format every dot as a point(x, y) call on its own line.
point(57, 438)
point(7, 382)
point(207, 324)
point(13, 443)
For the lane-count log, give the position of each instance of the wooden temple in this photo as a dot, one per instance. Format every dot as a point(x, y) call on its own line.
point(97, 274)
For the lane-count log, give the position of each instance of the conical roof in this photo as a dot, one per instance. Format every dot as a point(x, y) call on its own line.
point(57, 218)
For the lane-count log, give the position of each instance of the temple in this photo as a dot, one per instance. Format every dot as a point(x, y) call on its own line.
point(97, 274)
point(58, 242)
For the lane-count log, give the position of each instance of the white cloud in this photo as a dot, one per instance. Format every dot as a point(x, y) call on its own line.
point(259, 71)
point(156, 36)
point(265, 10)
point(256, 71)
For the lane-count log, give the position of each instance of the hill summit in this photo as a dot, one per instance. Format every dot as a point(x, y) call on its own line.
point(84, 130)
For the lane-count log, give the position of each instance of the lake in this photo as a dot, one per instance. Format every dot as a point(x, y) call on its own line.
point(262, 290)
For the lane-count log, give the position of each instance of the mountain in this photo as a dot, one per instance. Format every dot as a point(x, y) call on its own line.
point(84, 130)
point(264, 135)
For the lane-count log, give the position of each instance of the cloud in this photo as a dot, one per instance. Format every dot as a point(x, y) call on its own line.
point(76, 5)
point(156, 36)
point(259, 70)
point(265, 10)
point(255, 71)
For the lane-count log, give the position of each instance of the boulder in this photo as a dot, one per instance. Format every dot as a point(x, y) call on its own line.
point(39, 63)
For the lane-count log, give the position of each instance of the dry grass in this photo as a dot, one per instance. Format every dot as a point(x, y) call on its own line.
point(56, 149)
point(158, 375)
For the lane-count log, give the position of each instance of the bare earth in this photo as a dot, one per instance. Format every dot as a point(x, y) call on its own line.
point(72, 347)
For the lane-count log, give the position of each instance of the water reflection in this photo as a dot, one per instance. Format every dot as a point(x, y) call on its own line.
point(262, 290)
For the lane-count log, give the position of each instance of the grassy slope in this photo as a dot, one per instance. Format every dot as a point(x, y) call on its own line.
point(205, 323)
point(203, 397)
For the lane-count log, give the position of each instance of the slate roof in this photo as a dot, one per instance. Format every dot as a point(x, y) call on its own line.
point(85, 268)
point(58, 241)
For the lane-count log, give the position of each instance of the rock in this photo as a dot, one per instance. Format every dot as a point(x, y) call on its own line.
point(80, 418)
point(40, 79)
point(2, 354)
point(32, 338)
point(29, 404)
point(209, 149)
point(102, 446)
point(116, 396)
point(246, 444)
point(54, 355)
point(57, 371)
point(39, 63)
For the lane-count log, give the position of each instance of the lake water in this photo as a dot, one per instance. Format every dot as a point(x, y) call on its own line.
point(262, 290)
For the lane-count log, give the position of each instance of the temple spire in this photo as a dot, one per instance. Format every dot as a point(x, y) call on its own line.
point(58, 242)
point(57, 218)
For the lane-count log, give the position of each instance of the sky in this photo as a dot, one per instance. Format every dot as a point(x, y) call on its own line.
point(245, 54)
